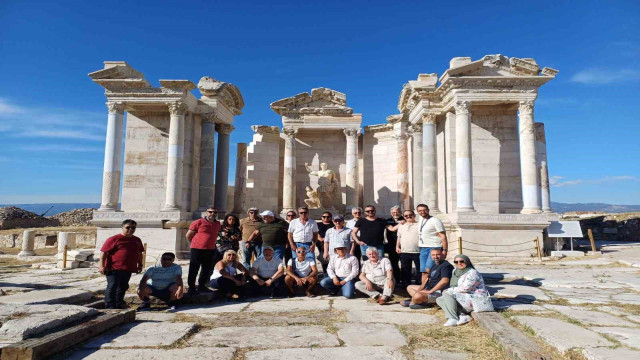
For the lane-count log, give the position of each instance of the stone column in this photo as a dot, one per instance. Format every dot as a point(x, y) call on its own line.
point(543, 170)
point(66, 238)
point(240, 187)
point(222, 168)
point(173, 196)
point(207, 160)
point(112, 158)
point(289, 180)
point(28, 242)
point(429, 163)
point(402, 157)
point(464, 174)
point(528, 170)
point(416, 141)
point(351, 170)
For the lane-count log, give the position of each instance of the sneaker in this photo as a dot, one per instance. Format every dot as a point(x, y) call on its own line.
point(463, 319)
point(172, 308)
point(405, 303)
point(144, 306)
point(451, 322)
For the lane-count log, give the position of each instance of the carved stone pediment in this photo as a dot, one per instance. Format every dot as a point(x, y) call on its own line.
point(321, 101)
point(494, 65)
point(228, 93)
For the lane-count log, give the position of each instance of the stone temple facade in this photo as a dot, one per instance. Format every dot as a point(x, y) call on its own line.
point(465, 143)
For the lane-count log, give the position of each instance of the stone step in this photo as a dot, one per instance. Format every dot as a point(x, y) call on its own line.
point(48, 296)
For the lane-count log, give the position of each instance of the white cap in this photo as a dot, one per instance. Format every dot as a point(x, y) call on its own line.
point(267, 213)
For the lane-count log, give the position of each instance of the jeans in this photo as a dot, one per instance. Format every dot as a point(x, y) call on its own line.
point(310, 255)
point(426, 262)
point(406, 260)
point(363, 249)
point(202, 260)
point(278, 251)
point(117, 285)
point(228, 286)
point(348, 289)
point(254, 248)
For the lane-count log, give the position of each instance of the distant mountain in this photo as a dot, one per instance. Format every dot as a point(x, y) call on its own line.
point(596, 207)
point(56, 209)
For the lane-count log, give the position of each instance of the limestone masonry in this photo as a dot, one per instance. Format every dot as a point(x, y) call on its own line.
point(465, 143)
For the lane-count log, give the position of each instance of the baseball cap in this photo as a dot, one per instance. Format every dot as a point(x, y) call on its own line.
point(338, 217)
point(267, 213)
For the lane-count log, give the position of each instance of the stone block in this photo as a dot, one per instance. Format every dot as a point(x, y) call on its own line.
point(526, 293)
point(279, 337)
point(156, 354)
point(350, 352)
point(587, 317)
point(608, 354)
point(212, 309)
point(561, 335)
point(354, 334)
point(24, 321)
point(627, 336)
point(398, 318)
point(563, 253)
point(271, 306)
point(140, 335)
point(49, 296)
point(78, 255)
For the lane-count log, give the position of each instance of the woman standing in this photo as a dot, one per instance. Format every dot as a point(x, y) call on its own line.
point(229, 235)
point(465, 285)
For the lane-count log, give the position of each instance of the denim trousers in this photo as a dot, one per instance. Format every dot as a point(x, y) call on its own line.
point(348, 289)
point(117, 285)
point(254, 248)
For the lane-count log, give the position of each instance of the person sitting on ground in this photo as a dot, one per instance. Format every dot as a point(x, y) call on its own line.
point(267, 274)
point(229, 235)
point(162, 281)
point(301, 272)
point(229, 275)
point(466, 283)
point(342, 272)
point(439, 277)
point(376, 275)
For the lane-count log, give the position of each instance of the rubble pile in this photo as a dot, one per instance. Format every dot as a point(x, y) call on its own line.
point(75, 217)
point(13, 217)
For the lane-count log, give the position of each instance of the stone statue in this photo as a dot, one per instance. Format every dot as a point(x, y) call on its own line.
point(313, 201)
point(327, 185)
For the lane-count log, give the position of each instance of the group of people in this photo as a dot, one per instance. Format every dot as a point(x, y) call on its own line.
point(264, 255)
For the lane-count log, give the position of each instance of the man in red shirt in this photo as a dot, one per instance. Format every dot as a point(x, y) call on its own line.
point(121, 256)
point(203, 254)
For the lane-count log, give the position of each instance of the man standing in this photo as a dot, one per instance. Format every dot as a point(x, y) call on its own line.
point(323, 226)
point(203, 254)
point(337, 236)
point(372, 232)
point(302, 232)
point(249, 247)
point(432, 235)
point(267, 274)
point(408, 246)
point(162, 281)
point(392, 240)
point(439, 277)
point(121, 256)
point(356, 212)
point(273, 232)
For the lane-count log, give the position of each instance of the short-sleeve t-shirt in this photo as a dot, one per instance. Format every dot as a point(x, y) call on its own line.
point(408, 237)
point(273, 233)
point(206, 234)
point(303, 233)
point(444, 270)
point(162, 277)
point(248, 226)
point(302, 269)
point(122, 253)
point(429, 229)
point(372, 271)
point(392, 236)
point(266, 268)
point(371, 231)
point(322, 228)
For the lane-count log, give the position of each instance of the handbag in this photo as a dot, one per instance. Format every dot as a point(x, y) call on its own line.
point(482, 303)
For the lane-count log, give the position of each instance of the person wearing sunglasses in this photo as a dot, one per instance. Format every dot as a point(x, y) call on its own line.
point(203, 254)
point(163, 281)
point(409, 248)
point(302, 232)
point(439, 278)
point(301, 272)
point(369, 231)
point(465, 285)
point(324, 225)
point(337, 236)
point(121, 256)
point(432, 235)
point(251, 246)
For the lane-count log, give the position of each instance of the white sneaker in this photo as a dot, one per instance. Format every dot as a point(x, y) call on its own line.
point(463, 319)
point(451, 322)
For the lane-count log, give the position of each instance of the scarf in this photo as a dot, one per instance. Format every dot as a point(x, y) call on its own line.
point(457, 273)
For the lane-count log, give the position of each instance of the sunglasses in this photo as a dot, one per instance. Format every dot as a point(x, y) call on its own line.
point(458, 261)
point(338, 221)
point(326, 216)
point(303, 212)
point(166, 259)
point(252, 212)
point(130, 227)
point(300, 251)
point(357, 212)
point(408, 216)
point(291, 215)
point(368, 211)
point(212, 212)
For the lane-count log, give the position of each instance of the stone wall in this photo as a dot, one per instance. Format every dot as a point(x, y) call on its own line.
point(380, 170)
point(264, 172)
point(46, 238)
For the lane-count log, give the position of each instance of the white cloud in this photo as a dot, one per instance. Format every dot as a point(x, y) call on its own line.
point(602, 76)
point(7, 108)
point(556, 181)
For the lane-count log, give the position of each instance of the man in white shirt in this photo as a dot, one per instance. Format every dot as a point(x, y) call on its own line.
point(267, 274)
point(376, 277)
point(300, 272)
point(302, 232)
point(432, 235)
point(342, 272)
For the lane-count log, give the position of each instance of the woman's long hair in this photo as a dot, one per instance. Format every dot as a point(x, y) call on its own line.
point(236, 223)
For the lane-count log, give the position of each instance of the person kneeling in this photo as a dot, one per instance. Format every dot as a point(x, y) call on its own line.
point(267, 274)
point(301, 271)
point(342, 271)
point(376, 276)
point(163, 282)
point(437, 282)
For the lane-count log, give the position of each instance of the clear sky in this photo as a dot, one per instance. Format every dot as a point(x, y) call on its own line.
point(52, 117)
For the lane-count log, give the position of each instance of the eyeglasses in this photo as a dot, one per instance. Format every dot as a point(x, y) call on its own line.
point(357, 212)
point(337, 221)
point(409, 216)
point(458, 261)
point(300, 251)
point(212, 212)
point(303, 212)
point(252, 212)
point(369, 211)
point(326, 216)
point(130, 227)
point(166, 259)
point(291, 215)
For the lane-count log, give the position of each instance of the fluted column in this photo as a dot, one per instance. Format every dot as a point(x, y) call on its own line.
point(416, 142)
point(207, 160)
point(543, 170)
point(464, 174)
point(352, 167)
point(528, 169)
point(402, 177)
point(222, 168)
point(429, 163)
point(175, 161)
point(288, 182)
point(112, 158)
point(240, 186)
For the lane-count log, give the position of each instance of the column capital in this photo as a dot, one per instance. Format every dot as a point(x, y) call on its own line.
point(401, 136)
point(462, 107)
point(177, 108)
point(264, 129)
point(429, 118)
point(414, 129)
point(526, 107)
point(115, 107)
point(289, 132)
point(210, 118)
point(225, 129)
point(352, 133)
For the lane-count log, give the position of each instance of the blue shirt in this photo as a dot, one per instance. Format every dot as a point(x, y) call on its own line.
point(160, 277)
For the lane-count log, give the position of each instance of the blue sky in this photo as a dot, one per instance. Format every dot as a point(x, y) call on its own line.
point(52, 117)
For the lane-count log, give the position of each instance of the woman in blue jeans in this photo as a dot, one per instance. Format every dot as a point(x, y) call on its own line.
point(342, 273)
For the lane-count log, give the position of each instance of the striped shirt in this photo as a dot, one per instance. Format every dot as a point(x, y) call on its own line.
point(337, 238)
